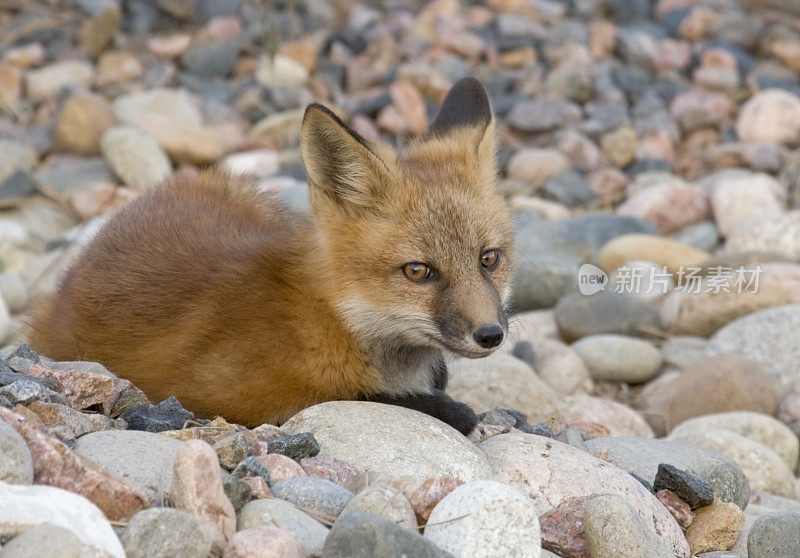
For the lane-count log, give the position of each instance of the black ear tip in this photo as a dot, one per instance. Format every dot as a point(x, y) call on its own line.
point(467, 104)
point(471, 87)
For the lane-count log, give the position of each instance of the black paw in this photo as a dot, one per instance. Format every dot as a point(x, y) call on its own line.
point(460, 416)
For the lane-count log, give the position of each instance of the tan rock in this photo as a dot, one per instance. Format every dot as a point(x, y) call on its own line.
point(602, 38)
point(280, 467)
point(503, 381)
point(719, 384)
point(764, 469)
point(83, 389)
point(410, 105)
point(332, 469)
point(738, 196)
point(10, 85)
point(117, 66)
point(414, 446)
point(96, 33)
point(54, 464)
point(302, 52)
point(547, 471)
point(535, 166)
point(280, 71)
point(81, 123)
point(621, 420)
point(717, 300)
point(386, 501)
point(100, 198)
point(258, 487)
point(771, 115)
point(560, 367)
point(197, 489)
point(715, 527)
point(264, 541)
point(135, 157)
point(171, 46)
point(649, 248)
point(620, 146)
point(46, 82)
point(670, 206)
point(759, 427)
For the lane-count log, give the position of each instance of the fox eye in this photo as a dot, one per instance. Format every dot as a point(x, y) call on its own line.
point(490, 258)
point(417, 271)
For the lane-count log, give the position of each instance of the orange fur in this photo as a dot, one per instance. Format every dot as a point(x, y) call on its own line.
point(209, 289)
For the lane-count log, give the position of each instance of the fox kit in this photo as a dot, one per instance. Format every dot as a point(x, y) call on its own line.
point(209, 289)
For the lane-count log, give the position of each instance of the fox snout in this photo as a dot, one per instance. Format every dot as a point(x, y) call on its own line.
point(473, 329)
point(489, 336)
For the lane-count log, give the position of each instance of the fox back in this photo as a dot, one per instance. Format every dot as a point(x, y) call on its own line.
point(209, 289)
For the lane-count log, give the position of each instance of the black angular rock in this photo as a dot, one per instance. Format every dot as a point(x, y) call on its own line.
point(693, 490)
point(361, 535)
point(236, 491)
point(167, 415)
point(296, 446)
point(250, 467)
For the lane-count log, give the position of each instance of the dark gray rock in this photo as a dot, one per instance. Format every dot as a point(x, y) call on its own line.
point(26, 390)
point(16, 187)
point(569, 188)
point(580, 315)
point(250, 467)
point(603, 116)
point(691, 489)
point(212, 58)
point(775, 535)
point(314, 494)
point(703, 236)
point(25, 351)
point(237, 492)
point(542, 115)
point(9, 376)
point(642, 456)
point(73, 173)
point(510, 418)
point(296, 446)
point(128, 399)
point(550, 252)
point(167, 415)
point(361, 535)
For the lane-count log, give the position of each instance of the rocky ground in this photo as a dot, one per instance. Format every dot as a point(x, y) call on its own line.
point(653, 139)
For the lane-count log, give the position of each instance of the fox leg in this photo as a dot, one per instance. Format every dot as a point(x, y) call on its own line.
point(436, 404)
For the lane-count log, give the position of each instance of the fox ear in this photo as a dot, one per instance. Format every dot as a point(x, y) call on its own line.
point(465, 127)
point(340, 163)
point(465, 106)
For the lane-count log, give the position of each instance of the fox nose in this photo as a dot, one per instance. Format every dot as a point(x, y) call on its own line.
point(488, 336)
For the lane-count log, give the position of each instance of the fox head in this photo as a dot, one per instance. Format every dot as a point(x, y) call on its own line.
point(419, 242)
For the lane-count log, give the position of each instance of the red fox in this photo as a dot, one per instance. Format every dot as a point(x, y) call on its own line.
point(209, 289)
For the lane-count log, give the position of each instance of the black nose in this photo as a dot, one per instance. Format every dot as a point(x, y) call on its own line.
point(488, 336)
